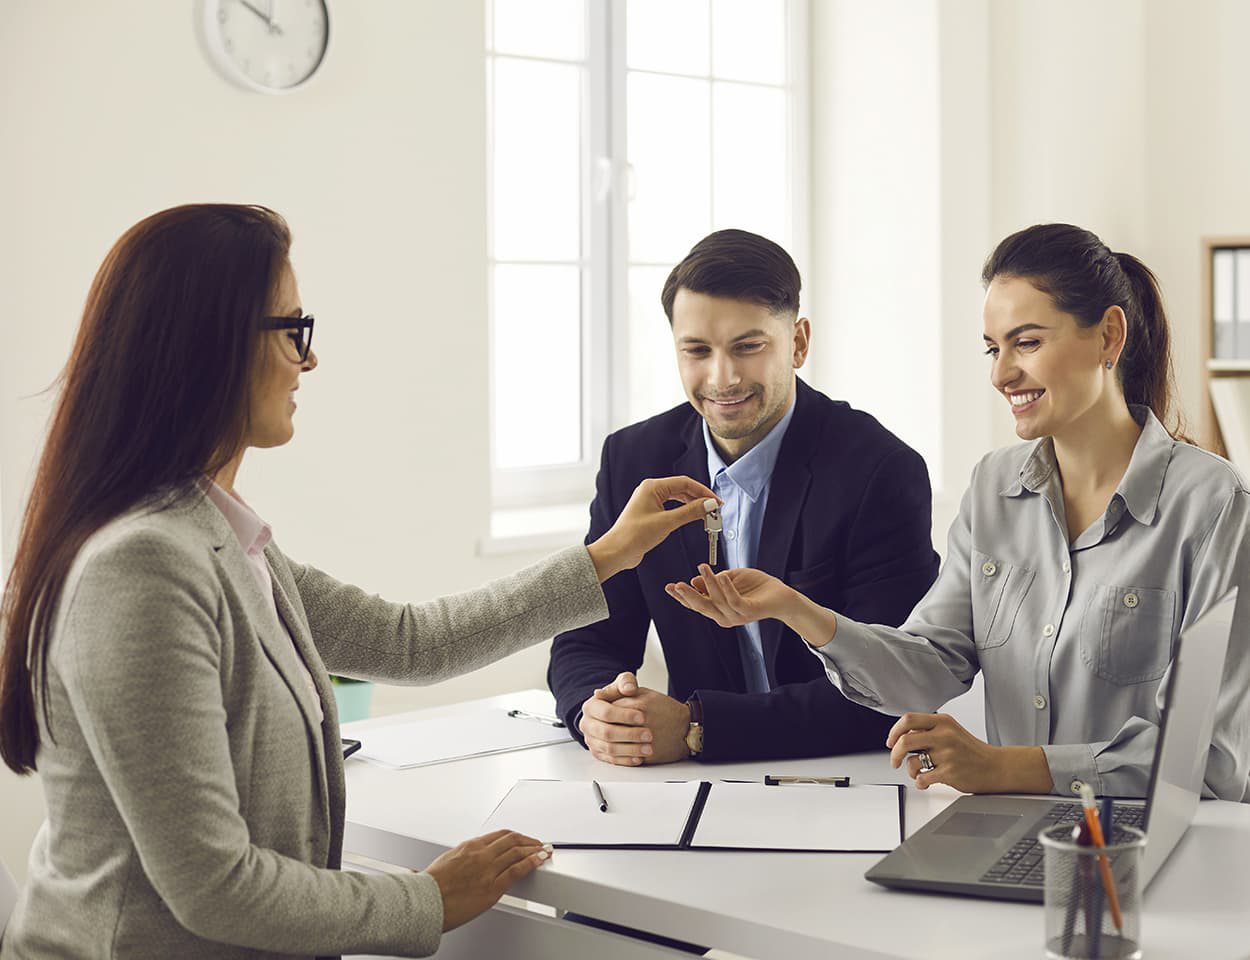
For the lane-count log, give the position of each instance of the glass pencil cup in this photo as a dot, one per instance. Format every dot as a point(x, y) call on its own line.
point(1082, 921)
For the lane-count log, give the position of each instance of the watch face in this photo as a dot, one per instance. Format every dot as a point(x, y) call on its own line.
point(268, 45)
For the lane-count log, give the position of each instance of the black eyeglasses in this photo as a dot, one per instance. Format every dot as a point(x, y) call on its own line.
point(301, 331)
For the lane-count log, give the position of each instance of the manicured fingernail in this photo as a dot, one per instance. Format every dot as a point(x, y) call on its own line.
point(646, 736)
point(542, 854)
point(709, 504)
point(646, 750)
point(638, 718)
point(548, 847)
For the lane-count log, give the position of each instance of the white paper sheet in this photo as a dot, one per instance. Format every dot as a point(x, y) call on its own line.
point(800, 817)
point(567, 812)
point(456, 736)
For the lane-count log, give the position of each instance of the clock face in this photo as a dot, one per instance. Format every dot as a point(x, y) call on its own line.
point(268, 45)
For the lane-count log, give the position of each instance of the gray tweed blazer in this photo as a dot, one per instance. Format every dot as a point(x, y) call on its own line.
point(195, 804)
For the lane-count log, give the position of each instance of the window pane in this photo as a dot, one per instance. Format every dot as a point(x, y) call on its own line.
point(541, 28)
point(667, 35)
point(538, 365)
point(751, 150)
point(670, 204)
point(537, 160)
point(749, 40)
point(654, 385)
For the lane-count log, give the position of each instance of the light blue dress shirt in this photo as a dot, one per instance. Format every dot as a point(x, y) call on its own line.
point(743, 485)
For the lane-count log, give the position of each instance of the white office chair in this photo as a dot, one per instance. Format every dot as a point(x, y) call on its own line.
point(8, 896)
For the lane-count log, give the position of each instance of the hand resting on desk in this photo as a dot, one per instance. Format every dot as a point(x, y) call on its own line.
point(474, 875)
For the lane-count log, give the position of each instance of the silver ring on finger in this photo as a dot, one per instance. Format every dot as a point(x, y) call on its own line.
point(926, 762)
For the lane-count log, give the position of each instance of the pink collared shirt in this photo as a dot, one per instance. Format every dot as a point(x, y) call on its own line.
point(254, 534)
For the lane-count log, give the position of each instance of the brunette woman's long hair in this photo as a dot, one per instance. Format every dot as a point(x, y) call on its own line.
point(154, 396)
point(1084, 277)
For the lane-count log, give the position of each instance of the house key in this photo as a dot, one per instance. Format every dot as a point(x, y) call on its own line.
point(713, 525)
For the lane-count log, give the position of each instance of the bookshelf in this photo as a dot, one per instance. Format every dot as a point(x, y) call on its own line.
point(1225, 350)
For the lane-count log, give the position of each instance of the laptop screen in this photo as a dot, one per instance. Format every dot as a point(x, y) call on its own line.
point(1185, 731)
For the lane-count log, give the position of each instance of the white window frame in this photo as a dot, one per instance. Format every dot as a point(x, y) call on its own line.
point(605, 247)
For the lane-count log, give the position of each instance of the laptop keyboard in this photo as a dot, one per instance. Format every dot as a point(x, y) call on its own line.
point(1021, 866)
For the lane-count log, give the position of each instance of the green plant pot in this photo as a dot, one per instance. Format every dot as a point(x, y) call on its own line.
point(353, 698)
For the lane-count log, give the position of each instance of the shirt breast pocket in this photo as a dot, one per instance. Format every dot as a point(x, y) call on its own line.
point(1126, 633)
point(998, 592)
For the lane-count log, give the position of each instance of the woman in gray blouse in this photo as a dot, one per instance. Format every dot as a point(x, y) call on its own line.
point(165, 665)
point(1076, 560)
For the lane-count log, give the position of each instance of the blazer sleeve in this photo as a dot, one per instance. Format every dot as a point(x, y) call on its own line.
point(592, 656)
point(361, 635)
point(890, 564)
point(142, 615)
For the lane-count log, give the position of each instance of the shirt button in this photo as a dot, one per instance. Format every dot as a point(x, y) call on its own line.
point(1130, 600)
point(1115, 507)
point(989, 568)
point(1066, 566)
point(1040, 702)
point(1076, 786)
point(1048, 630)
point(729, 534)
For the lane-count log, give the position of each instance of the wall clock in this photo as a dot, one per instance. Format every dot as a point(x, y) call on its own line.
point(269, 46)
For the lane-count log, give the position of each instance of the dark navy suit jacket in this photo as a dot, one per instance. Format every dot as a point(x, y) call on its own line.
point(847, 523)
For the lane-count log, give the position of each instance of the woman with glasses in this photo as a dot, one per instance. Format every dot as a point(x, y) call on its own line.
point(165, 665)
point(1075, 562)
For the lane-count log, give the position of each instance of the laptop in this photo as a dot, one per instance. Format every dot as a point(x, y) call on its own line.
point(986, 846)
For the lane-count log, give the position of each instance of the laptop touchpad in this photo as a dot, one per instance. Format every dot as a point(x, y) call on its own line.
point(978, 825)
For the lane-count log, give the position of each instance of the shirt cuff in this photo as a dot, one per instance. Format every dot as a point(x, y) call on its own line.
point(1072, 765)
point(841, 671)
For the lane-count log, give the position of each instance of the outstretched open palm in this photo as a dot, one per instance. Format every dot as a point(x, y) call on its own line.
point(732, 597)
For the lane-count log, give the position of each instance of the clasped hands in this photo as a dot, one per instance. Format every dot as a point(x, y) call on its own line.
point(629, 725)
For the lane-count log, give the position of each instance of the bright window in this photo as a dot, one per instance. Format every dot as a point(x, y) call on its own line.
point(621, 133)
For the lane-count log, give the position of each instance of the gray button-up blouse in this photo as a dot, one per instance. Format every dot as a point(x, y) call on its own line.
point(1075, 639)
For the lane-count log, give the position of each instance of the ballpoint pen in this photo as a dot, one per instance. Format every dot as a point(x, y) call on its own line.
point(603, 801)
point(1104, 865)
point(541, 718)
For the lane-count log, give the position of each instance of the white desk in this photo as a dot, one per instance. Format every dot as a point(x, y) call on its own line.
point(792, 906)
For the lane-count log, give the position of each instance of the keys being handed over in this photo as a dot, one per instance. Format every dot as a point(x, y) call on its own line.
point(713, 524)
point(646, 521)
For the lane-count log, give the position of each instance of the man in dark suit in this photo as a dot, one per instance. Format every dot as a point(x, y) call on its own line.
point(815, 492)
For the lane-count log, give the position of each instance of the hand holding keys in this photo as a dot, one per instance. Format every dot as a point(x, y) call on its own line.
point(713, 524)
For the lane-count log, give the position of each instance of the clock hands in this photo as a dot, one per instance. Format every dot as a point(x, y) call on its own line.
point(269, 21)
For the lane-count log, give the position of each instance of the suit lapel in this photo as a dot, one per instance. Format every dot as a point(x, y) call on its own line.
point(274, 640)
point(787, 495)
point(296, 624)
point(693, 463)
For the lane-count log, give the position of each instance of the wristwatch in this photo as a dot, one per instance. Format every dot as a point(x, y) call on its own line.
point(694, 736)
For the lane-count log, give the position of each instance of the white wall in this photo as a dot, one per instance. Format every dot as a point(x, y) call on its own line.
point(110, 112)
point(875, 206)
point(1069, 122)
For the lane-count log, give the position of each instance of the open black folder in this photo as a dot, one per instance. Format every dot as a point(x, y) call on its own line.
point(702, 815)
